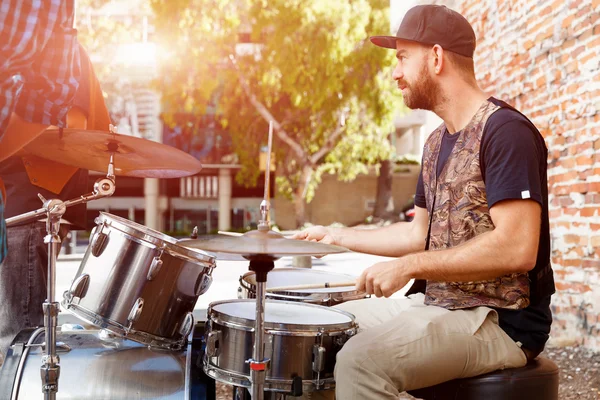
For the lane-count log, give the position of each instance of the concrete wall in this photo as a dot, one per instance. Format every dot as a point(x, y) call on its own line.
point(348, 203)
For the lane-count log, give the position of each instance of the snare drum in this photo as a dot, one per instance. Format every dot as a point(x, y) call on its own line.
point(300, 276)
point(138, 283)
point(301, 340)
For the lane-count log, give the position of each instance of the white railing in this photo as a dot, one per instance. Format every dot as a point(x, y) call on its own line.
point(199, 187)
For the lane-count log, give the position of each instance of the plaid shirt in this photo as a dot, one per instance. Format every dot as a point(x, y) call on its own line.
point(39, 66)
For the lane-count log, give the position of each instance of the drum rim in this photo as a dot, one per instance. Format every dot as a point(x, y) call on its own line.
point(157, 238)
point(100, 322)
point(239, 379)
point(322, 296)
point(282, 328)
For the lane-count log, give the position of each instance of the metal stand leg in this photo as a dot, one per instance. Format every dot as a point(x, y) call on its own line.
point(258, 364)
point(54, 210)
point(50, 369)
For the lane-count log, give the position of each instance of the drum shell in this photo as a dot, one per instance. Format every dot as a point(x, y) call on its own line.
point(95, 369)
point(328, 298)
point(119, 275)
point(290, 348)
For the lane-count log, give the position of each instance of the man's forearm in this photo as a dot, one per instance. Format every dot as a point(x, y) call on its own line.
point(487, 256)
point(392, 241)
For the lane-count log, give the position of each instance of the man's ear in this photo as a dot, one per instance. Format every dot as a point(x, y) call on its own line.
point(438, 55)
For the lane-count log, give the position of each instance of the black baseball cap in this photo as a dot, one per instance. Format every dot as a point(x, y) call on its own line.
point(432, 24)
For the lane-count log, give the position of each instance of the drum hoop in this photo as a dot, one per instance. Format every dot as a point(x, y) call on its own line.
point(278, 328)
point(275, 385)
point(152, 341)
point(160, 240)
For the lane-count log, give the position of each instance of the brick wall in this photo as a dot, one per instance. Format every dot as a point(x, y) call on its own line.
point(543, 57)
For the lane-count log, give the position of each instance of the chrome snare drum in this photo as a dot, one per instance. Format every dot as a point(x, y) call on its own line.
point(301, 276)
point(138, 283)
point(301, 340)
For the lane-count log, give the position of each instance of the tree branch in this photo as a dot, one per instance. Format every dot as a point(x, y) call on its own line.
point(329, 144)
point(264, 112)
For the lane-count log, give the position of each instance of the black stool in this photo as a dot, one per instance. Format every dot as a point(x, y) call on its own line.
point(538, 380)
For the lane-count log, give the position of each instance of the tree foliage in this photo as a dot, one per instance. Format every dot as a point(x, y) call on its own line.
point(309, 67)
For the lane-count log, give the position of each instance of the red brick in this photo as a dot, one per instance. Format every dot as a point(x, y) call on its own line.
point(595, 264)
point(594, 187)
point(571, 239)
point(589, 211)
point(584, 160)
point(595, 241)
point(573, 287)
point(573, 262)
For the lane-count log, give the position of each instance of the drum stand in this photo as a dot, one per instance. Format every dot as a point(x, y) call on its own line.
point(261, 264)
point(54, 209)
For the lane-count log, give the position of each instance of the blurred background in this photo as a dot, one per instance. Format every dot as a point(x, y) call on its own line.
point(206, 76)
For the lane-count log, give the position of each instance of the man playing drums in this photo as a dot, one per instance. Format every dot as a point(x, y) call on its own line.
point(479, 245)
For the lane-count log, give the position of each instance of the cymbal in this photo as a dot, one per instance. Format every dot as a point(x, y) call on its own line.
point(133, 156)
point(259, 243)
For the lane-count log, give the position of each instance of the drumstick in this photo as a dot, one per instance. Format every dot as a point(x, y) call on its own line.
point(312, 286)
point(230, 233)
point(226, 233)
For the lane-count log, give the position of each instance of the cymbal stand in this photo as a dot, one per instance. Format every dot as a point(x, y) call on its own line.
point(261, 264)
point(54, 209)
point(258, 364)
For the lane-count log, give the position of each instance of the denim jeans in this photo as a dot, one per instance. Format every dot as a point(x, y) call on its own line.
point(23, 275)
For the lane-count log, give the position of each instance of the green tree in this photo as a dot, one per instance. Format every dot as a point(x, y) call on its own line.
point(309, 68)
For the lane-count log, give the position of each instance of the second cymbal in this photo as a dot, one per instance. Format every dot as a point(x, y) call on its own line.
point(133, 156)
point(256, 243)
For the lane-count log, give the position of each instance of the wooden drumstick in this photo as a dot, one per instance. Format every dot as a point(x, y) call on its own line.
point(226, 233)
point(312, 286)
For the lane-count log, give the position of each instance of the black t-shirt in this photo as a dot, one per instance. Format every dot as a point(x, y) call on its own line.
point(513, 161)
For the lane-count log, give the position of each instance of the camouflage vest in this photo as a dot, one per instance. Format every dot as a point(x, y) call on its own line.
point(457, 202)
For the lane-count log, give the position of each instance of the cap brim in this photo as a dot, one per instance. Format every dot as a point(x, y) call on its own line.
point(388, 42)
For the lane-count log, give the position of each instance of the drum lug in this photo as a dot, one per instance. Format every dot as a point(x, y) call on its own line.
point(155, 267)
point(212, 343)
point(187, 325)
point(99, 241)
point(204, 285)
point(268, 346)
point(318, 364)
point(136, 310)
point(80, 286)
point(61, 347)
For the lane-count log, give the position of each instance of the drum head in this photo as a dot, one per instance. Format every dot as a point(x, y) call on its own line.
point(300, 276)
point(284, 312)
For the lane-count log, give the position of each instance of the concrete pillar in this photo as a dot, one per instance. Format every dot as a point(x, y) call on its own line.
point(224, 199)
point(151, 198)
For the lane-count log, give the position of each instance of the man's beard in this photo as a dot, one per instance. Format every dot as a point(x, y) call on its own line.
point(423, 93)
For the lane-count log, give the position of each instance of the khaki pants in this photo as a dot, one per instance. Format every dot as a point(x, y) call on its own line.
point(406, 345)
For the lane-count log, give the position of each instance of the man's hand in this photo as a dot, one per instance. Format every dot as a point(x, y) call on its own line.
point(319, 234)
point(384, 279)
